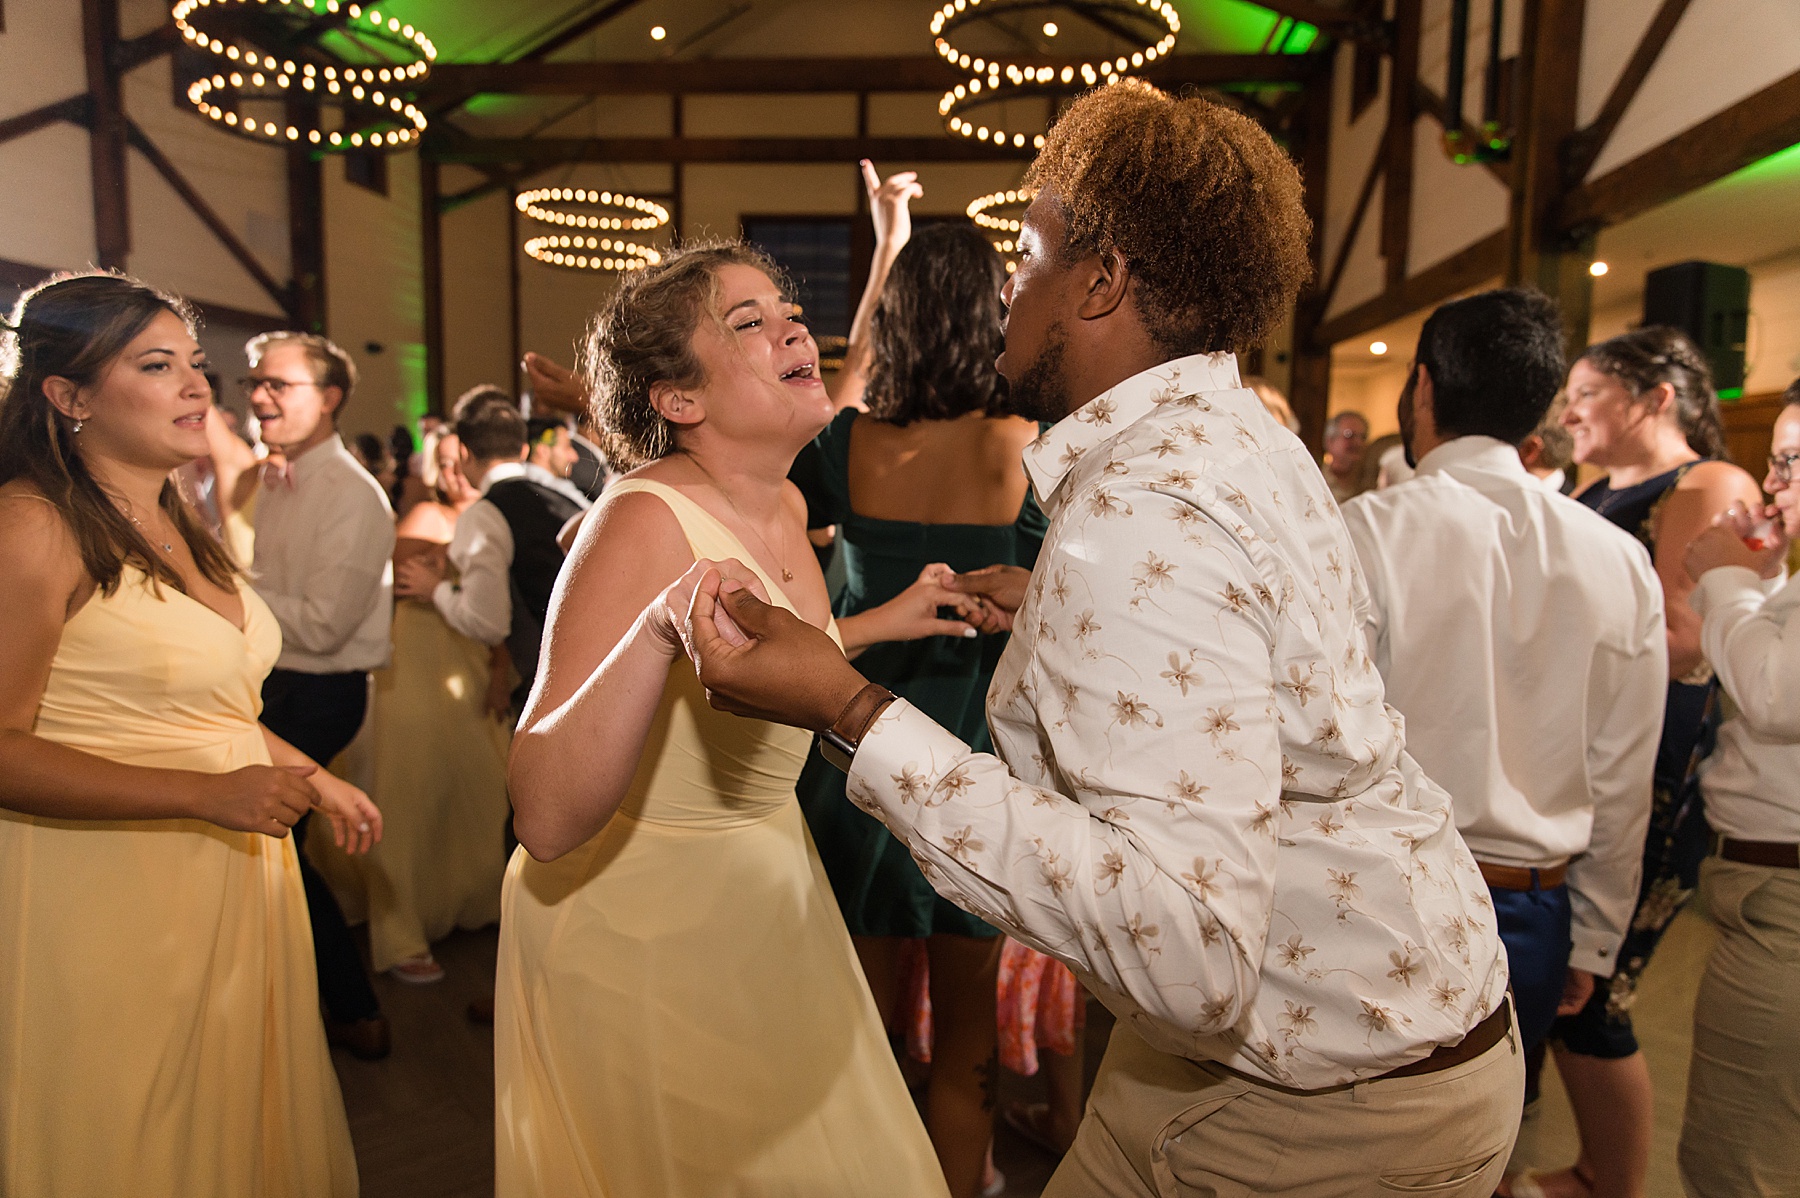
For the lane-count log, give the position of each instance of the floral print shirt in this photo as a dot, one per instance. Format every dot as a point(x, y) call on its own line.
point(1205, 807)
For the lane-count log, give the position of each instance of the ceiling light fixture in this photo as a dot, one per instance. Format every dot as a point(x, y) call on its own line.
point(982, 212)
point(1378, 348)
point(1597, 268)
point(375, 117)
point(580, 250)
point(658, 33)
point(996, 81)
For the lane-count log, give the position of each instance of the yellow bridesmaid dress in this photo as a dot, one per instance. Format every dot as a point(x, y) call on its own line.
point(159, 1020)
point(679, 1011)
point(437, 766)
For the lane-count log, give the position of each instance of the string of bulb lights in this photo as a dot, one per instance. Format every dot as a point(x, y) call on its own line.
point(370, 92)
point(583, 251)
point(996, 81)
point(982, 211)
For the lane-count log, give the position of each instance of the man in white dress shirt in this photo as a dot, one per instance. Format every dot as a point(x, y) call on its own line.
point(1201, 802)
point(505, 548)
point(1521, 635)
point(324, 565)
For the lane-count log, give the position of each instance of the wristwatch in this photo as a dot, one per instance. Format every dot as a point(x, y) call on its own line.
point(838, 743)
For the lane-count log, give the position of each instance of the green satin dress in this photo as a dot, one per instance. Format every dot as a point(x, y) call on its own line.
point(878, 887)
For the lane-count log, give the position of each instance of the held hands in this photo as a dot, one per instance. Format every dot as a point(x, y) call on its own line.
point(271, 799)
point(417, 576)
point(667, 616)
point(762, 661)
point(888, 206)
point(1000, 591)
point(1578, 987)
point(1728, 543)
point(913, 614)
point(355, 820)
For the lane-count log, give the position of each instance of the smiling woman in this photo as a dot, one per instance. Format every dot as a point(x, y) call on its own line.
point(672, 970)
point(157, 1032)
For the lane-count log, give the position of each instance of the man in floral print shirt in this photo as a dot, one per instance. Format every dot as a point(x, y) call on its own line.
point(1204, 805)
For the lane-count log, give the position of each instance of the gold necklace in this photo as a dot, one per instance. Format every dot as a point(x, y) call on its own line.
point(787, 575)
point(131, 515)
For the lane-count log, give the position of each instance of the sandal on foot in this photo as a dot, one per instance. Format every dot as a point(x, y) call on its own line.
point(418, 971)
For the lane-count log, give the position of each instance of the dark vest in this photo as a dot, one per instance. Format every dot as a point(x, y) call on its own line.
point(535, 514)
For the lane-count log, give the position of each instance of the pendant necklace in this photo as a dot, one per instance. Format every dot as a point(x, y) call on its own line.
point(131, 515)
point(787, 575)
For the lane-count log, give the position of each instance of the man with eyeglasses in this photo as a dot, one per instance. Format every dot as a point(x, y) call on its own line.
point(324, 565)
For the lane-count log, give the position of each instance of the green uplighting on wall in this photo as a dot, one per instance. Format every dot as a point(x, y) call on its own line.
point(1731, 393)
point(1781, 162)
point(1240, 27)
point(412, 402)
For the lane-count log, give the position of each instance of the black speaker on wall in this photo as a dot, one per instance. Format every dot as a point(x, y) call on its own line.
point(1711, 304)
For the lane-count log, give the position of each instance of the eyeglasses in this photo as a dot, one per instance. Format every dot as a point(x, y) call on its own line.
point(1782, 466)
point(275, 387)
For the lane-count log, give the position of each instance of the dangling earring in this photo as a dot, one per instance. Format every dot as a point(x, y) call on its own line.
point(78, 424)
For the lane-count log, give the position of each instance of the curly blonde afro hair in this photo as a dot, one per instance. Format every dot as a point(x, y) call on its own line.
point(1204, 207)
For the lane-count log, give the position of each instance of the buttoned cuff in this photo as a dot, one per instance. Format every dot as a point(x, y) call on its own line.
point(1595, 951)
point(1725, 584)
point(897, 755)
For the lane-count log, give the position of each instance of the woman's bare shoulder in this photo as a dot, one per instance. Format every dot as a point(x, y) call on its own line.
point(36, 542)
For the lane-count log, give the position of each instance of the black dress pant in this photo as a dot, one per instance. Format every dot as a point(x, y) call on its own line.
point(319, 714)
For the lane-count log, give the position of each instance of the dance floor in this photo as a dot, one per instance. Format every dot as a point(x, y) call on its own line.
point(423, 1119)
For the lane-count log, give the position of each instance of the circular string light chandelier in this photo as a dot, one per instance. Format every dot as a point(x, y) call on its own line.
point(583, 250)
point(984, 212)
point(243, 83)
point(995, 81)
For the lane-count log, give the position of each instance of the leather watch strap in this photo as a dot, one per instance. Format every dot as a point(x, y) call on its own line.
point(838, 743)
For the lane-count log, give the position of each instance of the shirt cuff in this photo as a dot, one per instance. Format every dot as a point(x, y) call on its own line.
point(1724, 584)
point(442, 595)
point(901, 754)
point(1595, 951)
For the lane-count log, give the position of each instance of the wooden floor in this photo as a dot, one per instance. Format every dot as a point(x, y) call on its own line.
point(423, 1120)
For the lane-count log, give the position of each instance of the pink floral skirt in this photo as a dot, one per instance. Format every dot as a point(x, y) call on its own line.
point(1038, 1005)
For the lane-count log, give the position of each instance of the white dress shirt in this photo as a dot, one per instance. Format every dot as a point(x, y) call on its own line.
point(478, 603)
point(1209, 814)
point(1752, 639)
point(324, 562)
point(1521, 635)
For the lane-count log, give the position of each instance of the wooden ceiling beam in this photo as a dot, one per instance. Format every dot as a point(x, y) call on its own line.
point(536, 152)
point(792, 75)
point(1760, 124)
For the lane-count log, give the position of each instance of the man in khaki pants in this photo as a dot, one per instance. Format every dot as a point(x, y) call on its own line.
point(1201, 802)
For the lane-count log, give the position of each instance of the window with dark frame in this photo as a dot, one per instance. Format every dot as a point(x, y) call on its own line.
point(817, 252)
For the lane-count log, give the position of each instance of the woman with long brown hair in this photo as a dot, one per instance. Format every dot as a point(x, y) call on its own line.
point(158, 1026)
point(1641, 406)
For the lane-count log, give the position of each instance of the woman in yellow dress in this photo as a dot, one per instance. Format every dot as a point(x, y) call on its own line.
point(679, 1009)
point(159, 1027)
point(437, 744)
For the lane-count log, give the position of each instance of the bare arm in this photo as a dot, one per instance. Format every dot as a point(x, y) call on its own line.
point(1706, 491)
point(893, 229)
point(607, 651)
point(912, 614)
point(45, 585)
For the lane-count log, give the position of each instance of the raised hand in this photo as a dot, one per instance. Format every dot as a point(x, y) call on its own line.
point(888, 209)
point(355, 820)
point(257, 798)
point(666, 617)
point(555, 386)
point(1726, 544)
point(1001, 590)
point(758, 660)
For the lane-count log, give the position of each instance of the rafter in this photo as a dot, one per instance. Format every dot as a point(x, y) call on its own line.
point(1584, 146)
point(578, 30)
point(75, 109)
point(1461, 271)
point(1755, 127)
point(790, 75)
point(1335, 22)
point(538, 152)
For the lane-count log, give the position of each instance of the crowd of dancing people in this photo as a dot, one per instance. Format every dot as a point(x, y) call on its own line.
point(1350, 815)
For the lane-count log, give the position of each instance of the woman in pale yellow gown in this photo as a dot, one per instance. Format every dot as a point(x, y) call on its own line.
point(159, 1027)
point(437, 758)
point(679, 1009)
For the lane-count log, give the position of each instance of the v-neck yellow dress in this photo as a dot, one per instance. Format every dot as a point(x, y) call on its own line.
point(679, 1010)
point(159, 1021)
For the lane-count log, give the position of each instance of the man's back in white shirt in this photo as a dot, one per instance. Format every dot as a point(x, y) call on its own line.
point(1521, 635)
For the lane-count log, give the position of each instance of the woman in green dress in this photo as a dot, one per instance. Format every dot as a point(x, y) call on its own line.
point(930, 475)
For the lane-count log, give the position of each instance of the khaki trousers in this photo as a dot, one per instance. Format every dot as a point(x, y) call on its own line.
point(1741, 1133)
point(1174, 1128)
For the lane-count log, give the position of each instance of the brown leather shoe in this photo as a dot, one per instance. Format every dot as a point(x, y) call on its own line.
point(365, 1039)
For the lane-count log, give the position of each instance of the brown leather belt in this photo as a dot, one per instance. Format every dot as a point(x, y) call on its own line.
point(1518, 877)
point(1770, 853)
point(1481, 1037)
